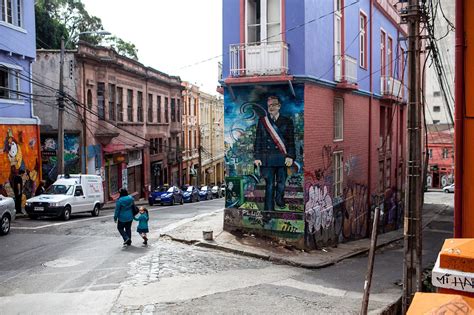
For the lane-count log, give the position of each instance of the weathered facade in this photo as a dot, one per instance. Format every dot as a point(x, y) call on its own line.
point(314, 118)
point(19, 127)
point(126, 115)
point(211, 124)
point(191, 134)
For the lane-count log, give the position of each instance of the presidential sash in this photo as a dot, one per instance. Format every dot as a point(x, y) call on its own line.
point(272, 131)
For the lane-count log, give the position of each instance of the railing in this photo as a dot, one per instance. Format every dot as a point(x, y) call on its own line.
point(258, 59)
point(390, 86)
point(348, 73)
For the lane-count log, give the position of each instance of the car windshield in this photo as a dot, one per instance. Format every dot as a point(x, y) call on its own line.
point(190, 188)
point(160, 189)
point(204, 188)
point(59, 190)
point(171, 189)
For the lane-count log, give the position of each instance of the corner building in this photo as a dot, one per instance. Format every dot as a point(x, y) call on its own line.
point(314, 118)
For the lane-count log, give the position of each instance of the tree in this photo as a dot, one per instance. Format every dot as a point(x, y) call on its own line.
point(68, 18)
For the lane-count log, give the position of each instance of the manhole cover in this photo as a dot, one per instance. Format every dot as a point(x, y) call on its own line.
point(62, 263)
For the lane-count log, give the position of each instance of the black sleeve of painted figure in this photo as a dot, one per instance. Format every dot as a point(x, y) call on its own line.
point(290, 140)
point(258, 145)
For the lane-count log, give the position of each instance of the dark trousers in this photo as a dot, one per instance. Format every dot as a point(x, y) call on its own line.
point(18, 204)
point(125, 229)
point(269, 173)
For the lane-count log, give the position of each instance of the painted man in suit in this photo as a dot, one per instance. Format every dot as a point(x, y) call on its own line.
point(274, 151)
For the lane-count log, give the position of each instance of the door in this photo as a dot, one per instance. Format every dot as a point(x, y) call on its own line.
point(338, 59)
point(263, 52)
point(80, 201)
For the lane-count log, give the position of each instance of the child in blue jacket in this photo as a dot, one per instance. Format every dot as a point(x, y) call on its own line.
point(142, 218)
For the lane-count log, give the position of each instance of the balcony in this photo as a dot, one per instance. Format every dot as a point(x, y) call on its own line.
point(345, 71)
point(391, 88)
point(258, 59)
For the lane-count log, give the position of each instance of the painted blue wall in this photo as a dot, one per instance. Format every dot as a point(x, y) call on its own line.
point(18, 49)
point(230, 32)
point(295, 15)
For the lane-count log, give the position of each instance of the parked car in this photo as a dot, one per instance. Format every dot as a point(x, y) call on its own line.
point(190, 194)
point(155, 196)
point(216, 192)
point(171, 196)
point(7, 214)
point(449, 188)
point(68, 195)
point(223, 190)
point(205, 193)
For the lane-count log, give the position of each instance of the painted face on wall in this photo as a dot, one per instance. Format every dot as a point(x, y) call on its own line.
point(273, 106)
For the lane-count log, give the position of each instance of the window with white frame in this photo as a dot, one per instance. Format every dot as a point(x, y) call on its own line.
point(383, 53)
point(363, 41)
point(390, 56)
point(263, 20)
point(12, 12)
point(9, 82)
point(338, 118)
point(338, 174)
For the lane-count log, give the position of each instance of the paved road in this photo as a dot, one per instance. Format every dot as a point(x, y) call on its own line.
point(51, 255)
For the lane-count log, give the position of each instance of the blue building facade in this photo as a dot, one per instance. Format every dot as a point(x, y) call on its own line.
point(331, 74)
point(19, 128)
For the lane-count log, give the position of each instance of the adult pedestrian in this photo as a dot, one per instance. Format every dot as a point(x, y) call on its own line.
point(18, 189)
point(123, 216)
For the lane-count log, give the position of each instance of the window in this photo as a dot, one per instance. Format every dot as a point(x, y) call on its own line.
point(12, 12)
point(101, 100)
point(338, 175)
point(263, 20)
point(9, 82)
point(150, 107)
point(166, 110)
point(430, 154)
point(112, 102)
point(119, 104)
point(383, 53)
point(139, 106)
point(435, 121)
point(189, 104)
point(173, 110)
point(388, 173)
point(158, 108)
point(195, 140)
point(338, 118)
point(363, 41)
point(178, 105)
point(338, 34)
point(402, 65)
point(390, 56)
point(445, 153)
point(437, 94)
point(130, 105)
point(89, 99)
point(160, 148)
point(190, 144)
point(436, 109)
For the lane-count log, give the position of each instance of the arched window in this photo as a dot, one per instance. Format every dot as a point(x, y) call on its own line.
point(89, 99)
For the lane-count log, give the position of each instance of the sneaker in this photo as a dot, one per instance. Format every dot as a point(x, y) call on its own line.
point(145, 242)
point(125, 242)
point(129, 242)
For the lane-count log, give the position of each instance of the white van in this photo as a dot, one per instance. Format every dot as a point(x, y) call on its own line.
point(69, 194)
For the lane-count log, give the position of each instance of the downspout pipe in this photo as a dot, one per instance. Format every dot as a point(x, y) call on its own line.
point(459, 119)
point(369, 172)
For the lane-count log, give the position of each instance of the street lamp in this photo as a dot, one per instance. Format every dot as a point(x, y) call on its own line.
point(60, 155)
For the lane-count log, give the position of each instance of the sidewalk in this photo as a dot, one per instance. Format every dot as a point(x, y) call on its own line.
point(192, 233)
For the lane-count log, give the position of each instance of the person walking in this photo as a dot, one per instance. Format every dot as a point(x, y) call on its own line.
point(142, 219)
point(123, 216)
point(18, 189)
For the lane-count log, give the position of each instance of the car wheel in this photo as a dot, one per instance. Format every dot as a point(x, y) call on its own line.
point(66, 213)
point(5, 225)
point(96, 211)
point(33, 216)
point(182, 201)
point(446, 191)
point(173, 201)
point(150, 203)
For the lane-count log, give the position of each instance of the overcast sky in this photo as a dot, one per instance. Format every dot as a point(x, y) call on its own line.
point(169, 34)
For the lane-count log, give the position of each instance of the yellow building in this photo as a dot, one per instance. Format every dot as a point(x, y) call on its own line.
point(191, 143)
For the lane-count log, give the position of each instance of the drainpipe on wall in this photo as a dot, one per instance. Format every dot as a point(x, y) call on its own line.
point(84, 129)
point(459, 116)
point(369, 181)
point(38, 123)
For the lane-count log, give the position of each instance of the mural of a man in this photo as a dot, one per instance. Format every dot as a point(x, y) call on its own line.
point(274, 151)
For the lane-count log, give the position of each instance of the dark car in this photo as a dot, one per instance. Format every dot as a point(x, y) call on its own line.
point(205, 193)
point(155, 196)
point(190, 194)
point(171, 196)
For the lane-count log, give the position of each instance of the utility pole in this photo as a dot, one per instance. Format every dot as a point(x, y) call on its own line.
point(60, 145)
point(412, 224)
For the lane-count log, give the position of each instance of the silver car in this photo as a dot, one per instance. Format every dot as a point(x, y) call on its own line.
point(449, 188)
point(7, 214)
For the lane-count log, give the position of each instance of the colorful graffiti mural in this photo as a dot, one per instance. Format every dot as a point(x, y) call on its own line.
point(19, 151)
point(264, 128)
point(71, 156)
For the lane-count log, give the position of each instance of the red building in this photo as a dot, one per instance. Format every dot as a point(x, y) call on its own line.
point(441, 156)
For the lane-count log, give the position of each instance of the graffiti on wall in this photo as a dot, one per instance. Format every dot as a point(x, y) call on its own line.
point(19, 152)
point(264, 158)
point(49, 157)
